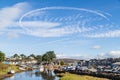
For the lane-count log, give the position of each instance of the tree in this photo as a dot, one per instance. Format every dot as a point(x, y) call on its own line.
point(16, 56)
point(2, 56)
point(23, 56)
point(39, 58)
point(62, 63)
point(46, 58)
point(32, 55)
point(49, 56)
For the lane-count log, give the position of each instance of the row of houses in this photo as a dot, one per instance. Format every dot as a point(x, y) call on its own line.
point(20, 61)
point(93, 65)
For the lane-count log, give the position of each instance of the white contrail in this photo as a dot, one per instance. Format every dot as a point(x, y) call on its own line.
point(57, 19)
point(68, 8)
point(64, 8)
point(105, 13)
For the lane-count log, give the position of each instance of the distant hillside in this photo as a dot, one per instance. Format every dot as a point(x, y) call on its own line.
point(67, 60)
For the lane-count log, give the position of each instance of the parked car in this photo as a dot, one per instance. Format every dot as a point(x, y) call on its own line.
point(68, 68)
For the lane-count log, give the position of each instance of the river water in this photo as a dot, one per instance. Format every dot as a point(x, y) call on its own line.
point(30, 75)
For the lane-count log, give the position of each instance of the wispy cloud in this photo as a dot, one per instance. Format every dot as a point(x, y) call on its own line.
point(114, 33)
point(75, 56)
point(68, 8)
point(41, 23)
point(8, 15)
point(111, 54)
point(12, 35)
point(96, 47)
point(114, 54)
point(54, 32)
point(45, 24)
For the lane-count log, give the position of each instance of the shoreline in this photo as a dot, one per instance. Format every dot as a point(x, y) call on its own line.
point(6, 75)
point(3, 76)
point(70, 76)
point(107, 76)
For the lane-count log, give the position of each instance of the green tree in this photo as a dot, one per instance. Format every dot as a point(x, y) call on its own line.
point(62, 63)
point(16, 56)
point(46, 58)
point(32, 55)
point(23, 56)
point(49, 56)
point(39, 58)
point(2, 56)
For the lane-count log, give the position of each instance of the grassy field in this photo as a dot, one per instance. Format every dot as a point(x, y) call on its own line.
point(68, 76)
point(4, 68)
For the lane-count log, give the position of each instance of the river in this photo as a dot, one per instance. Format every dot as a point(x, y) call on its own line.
point(30, 75)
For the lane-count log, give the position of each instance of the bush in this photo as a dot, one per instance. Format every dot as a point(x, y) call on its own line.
point(2, 56)
point(62, 63)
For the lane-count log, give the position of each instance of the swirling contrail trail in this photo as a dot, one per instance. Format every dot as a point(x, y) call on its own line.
point(98, 13)
point(67, 26)
point(68, 8)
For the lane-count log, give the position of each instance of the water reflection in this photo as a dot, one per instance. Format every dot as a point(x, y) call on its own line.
point(46, 76)
point(30, 75)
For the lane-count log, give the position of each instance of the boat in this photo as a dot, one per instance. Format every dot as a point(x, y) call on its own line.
point(41, 68)
point(11, 72)
point(21, 68)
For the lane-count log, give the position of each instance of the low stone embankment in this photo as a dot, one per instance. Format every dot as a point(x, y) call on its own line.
point(111, 76)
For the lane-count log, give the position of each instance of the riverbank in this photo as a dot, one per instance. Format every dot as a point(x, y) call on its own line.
point(88, 73)
point(4, 68)
point(72, 75)
point(69, 76)
point(6, 75)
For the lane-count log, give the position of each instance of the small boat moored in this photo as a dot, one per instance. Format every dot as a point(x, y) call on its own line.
point(11, 72)
point(41, 68)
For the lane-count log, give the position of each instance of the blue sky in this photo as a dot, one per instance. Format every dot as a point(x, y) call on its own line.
point(80, 29)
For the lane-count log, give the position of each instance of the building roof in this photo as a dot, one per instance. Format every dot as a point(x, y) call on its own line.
point(117, 63)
